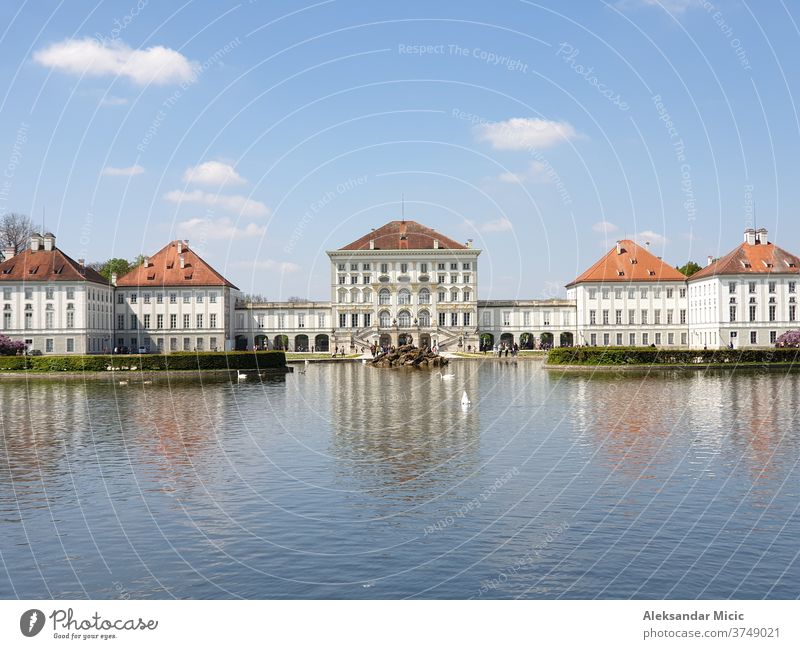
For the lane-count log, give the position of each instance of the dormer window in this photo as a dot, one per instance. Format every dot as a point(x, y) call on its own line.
point(746, 264)
point(651, 273)
point(633, 261)
point(621, 273)
point(33, 270)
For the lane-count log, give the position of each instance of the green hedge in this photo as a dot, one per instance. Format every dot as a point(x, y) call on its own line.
point(650, 356)
point(147, 362)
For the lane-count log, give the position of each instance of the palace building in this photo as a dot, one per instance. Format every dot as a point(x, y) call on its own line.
point(402, 282)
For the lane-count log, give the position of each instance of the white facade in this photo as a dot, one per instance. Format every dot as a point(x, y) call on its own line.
point(384, 296)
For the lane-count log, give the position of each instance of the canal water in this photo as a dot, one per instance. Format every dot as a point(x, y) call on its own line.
point(352, 482)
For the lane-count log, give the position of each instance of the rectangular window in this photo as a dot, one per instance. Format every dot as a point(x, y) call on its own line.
point(48, 293)
point(644, 317)
point(367, 319)
point(453, 319)
point(160, 300)
point(593, 340)
point(752, 313)
point(187, 344)
point(670, 339)
point(658, 338)
point(212, 343)
point(70, 292)
point(792, 287)
point(632, 340)
point(134, 321)
point(526, 319)
point(199, 345)
point(631, 294)
point(173, 321)
point(70, 319)
point(342, 320)
point(187, 298)
point(731, 287)
point(212, 297)
point(466, 296)
point(384, 268)
point(683, 316)
point(643, 293)
point(606, 340)
point(618, 295)
point(160, 321)
point(134, 297)
point(605, 316)
point(670, 316)
point(753, 337)
point(366, 266)
point(367, 279)
point(70, 344)
point(147, 321)
point(354, 320)
point(631, 317)
point(592, 293)
point(467, 319)
point(199, 320)
point(120, 321)
point(732, 314)
point(645, 339)
point(48, 320)
point(772, 287)
point(442, 279)
point(6, 293)
point(669, 293)
point(466, 279)
point(173, 299)
point(683, 292)
point(792, 312)
point(592, 317)
point(442, 319)
point(772, 310)
point(48, 345)
point(619, 340)
point(173, 344)
point(773, 337)
point(353, 266)
point(752, 287)
point(404, 268)
point(146, 298)
point(605, 293)
point(185, 320)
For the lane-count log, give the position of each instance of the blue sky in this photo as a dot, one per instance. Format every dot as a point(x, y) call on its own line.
point(269, 132)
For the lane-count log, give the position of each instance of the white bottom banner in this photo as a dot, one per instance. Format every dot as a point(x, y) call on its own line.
point(400, 624)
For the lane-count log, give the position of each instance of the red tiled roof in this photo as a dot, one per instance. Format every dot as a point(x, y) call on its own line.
point(630, 262)
point(404, 235)
point(164, 269)
point(46, 266)
point(750, 259)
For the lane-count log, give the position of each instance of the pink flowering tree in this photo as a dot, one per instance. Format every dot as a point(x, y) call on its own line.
point(789, 339)
point(10, 347)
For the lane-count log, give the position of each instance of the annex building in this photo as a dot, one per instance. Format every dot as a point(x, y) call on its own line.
point(402, 282)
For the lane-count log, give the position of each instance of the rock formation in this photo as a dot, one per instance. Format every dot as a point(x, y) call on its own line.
point(409, 356)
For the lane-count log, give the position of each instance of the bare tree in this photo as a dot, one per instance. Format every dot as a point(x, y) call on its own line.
point(15, 231)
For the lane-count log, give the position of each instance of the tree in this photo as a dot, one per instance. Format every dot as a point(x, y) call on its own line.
point(115, 265)
point(294, 299)
point(789, 339)
point(690, 268)
point(15, 231)
point(10, 347)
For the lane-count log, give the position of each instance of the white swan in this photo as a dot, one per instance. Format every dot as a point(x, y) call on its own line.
point(241, 376)
point(446, 377)
point(465, 402)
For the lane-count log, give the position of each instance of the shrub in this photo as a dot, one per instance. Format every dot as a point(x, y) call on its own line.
point(789, 339)
point(650, 356)
point(148, 362)
point(10, 347)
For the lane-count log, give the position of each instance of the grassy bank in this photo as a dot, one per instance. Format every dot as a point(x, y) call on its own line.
point(146, 362)
point(646, 356)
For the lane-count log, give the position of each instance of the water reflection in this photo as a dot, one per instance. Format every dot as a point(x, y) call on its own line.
point(404, 430)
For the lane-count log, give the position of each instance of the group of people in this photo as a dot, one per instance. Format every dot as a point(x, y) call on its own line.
point(503, 349)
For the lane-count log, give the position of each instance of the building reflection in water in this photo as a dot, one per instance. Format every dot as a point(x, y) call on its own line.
point(635, 423)
point(398, 428)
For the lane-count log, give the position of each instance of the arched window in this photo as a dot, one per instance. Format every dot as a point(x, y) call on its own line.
point(385, 319)
point(424, 319)
point(454, 296)
point(404, 296)
point(384, 297)
point(404, 319)
point(424, 296)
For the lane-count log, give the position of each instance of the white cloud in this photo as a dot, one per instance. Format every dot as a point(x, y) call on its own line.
point(498, 225)
point(135, 170)
point(218, 229)
point(112, 100)
point(525, 133)
point(537, 172)
point(157, 64)
point(672, 6)
point(604, 227)
point(269, 264)
point(648, 236)
point(213, 172)
point(239, 204)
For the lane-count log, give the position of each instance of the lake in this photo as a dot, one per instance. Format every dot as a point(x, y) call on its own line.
point(349, 481)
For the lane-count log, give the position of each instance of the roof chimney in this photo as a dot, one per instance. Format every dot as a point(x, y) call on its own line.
point(114, 279)
point(619, 247)
point(372, 244)
point(435, 244)
point(183, 261)
point(761, 236)
point(469, 243)
point(180, 247)
point(8, 253)
point(36, 241)
point(146, 262)
point(49, 241)
point(82, 262)
point(750, 236)
point(710, 260)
